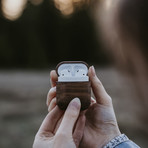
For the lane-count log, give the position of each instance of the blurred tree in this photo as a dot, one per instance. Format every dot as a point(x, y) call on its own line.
point(42, 36)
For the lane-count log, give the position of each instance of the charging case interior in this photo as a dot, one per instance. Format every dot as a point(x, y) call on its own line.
point(72, 71)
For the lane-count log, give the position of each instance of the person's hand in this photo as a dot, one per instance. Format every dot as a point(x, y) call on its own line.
point(58, 131)
point(101, 125)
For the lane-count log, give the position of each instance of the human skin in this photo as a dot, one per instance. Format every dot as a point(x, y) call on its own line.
point(101, 125)
point(69, 132)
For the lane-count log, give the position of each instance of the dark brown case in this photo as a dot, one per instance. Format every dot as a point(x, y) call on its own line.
point(66, 91)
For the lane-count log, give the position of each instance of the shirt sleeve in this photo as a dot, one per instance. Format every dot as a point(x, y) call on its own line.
point(121, 141)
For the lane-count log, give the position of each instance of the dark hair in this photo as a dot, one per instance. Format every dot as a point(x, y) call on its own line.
point(133, 22)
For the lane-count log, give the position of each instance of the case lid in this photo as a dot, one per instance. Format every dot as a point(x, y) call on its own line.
point(72, 71)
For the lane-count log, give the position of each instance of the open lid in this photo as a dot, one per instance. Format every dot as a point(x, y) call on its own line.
point(72, 71)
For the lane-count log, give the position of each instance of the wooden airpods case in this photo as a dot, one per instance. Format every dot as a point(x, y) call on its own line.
point(73, 81)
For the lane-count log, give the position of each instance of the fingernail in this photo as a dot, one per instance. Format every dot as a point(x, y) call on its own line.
point(53, 89)
point(75, 103)
point(93, 70)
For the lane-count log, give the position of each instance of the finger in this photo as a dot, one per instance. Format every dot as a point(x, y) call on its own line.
point(50, 121)
point(70, 117)
point(52, 104)
point(51, 94)
point(79, 130)
point(100, 94)
point(53, 78)
point(58, 124)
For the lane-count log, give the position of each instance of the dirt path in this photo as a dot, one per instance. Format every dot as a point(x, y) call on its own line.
point(22, 105)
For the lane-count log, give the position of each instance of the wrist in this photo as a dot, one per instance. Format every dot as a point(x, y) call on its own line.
point(113, 133)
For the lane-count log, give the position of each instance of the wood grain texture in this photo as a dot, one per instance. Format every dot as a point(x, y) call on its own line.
point(66, 91)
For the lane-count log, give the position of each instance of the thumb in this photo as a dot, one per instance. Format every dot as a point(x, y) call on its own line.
point(99, 91)
point(70, 118)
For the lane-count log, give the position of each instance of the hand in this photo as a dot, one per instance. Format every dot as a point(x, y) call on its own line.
point(65, 136)
point(101, 125)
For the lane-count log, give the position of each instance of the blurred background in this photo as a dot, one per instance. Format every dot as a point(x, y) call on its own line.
point(35, 35)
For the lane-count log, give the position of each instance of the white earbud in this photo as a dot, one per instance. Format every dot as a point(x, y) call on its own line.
point(72, 72)
point(80, 73)
point(65, 73)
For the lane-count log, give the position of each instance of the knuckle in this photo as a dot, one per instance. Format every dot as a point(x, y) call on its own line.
point(48, 94)
point(44, 135)
point(52, 72)
point(109, 100)
point(53, 101)
point(52, 90)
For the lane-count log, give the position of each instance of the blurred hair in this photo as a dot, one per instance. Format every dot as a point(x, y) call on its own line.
point(133, 20)
point(132, 26)
point(124, 28)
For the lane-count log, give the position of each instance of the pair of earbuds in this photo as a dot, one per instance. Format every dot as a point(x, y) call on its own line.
point(73, 73)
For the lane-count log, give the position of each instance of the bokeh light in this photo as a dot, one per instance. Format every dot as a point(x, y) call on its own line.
point(108, 4)
point(67, 7)
point(36, 2)
point(12, 9)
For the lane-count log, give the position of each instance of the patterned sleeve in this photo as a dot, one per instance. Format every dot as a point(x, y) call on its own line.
point(121, 141)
